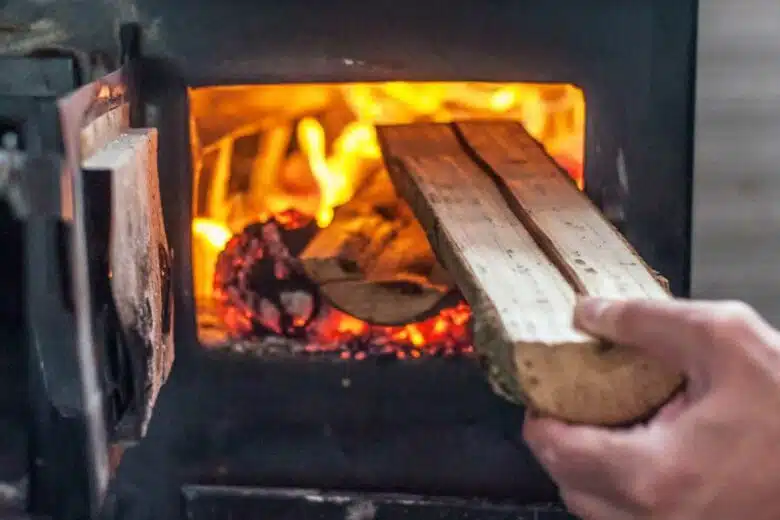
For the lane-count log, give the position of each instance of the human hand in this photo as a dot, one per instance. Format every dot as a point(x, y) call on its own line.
point(712, 453)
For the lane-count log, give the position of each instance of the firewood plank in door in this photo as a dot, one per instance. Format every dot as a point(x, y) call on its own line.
point(522, 302)
point(140, 256)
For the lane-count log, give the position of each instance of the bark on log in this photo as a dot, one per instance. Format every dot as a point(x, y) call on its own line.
point(521, 243)
point(374, 262)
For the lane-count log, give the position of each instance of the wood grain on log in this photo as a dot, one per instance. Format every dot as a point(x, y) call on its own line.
point(139, 255)
point(374, 262)
point(522, 243)
point(104, 129)
point(583, 245)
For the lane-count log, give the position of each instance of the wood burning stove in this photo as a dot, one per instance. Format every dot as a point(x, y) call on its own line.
point(280, 401)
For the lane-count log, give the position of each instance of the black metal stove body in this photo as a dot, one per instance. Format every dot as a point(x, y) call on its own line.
point(423, 428)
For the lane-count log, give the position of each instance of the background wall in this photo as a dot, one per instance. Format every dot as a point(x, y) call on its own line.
point(736, 220)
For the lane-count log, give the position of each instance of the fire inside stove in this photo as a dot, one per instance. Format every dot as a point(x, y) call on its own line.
point(298, 235)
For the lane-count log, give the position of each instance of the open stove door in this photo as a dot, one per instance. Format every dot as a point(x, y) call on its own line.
point(95, 288)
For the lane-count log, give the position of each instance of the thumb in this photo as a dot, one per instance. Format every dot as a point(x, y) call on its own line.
point(686, 335)
point(583, 457)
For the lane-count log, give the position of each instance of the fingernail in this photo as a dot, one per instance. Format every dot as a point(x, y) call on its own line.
point(589, 312)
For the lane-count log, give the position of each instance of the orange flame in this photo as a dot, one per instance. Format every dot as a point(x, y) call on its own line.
point(334, 158)
point(554, 114)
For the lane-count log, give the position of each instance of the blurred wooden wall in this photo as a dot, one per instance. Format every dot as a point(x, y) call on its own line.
point(736, 226)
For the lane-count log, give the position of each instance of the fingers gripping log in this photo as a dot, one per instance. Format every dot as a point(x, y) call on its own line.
point(522, 242)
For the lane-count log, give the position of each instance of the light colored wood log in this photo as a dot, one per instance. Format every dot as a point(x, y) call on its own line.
point(522, 301)
point(584, 246)
point(139, 254)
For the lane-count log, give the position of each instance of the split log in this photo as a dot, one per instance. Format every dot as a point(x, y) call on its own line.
point(521, 250)
point(374, 262)
point(140, 258)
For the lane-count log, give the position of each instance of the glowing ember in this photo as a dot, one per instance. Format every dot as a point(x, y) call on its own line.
point(257, 288)
point(277, 157)
point(444, 335)
point(259, 292)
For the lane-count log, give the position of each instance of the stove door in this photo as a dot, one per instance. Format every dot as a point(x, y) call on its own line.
point(90, 307)
point(120, 250)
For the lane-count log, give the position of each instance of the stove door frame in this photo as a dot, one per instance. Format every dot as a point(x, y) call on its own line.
point(630, 59)
point(634, 152)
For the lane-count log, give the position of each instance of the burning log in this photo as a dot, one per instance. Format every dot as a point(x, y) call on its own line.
point(374, 262)
point(264, 300)
point(258, 288)
point(522, 242)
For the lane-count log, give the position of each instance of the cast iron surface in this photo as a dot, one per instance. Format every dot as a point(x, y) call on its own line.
point(35, 310)
point(218, 502)
point(13, 420)
point(28, 89)
point(431, 428)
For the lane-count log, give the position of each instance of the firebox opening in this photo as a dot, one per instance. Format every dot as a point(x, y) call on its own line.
point(296, 226)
